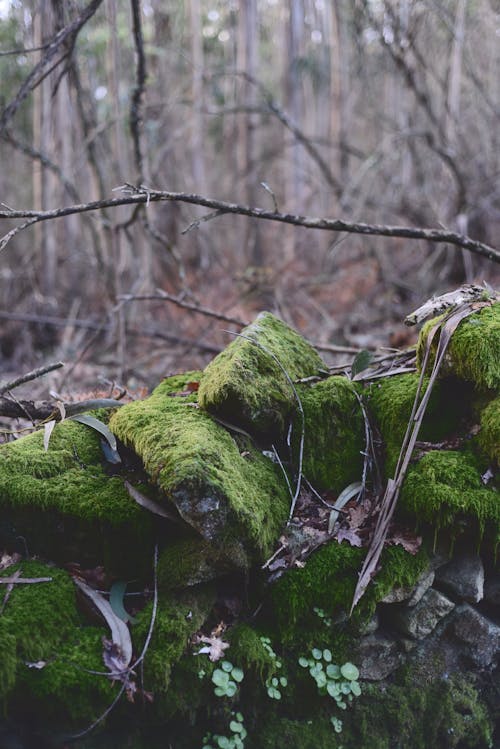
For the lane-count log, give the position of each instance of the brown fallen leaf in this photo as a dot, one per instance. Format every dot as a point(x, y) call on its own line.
point(214, 647)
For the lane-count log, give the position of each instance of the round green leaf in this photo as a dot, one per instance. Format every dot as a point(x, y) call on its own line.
point(333, 689)
point(317, 654)
point(283, 681)
point(327, 655)
point(231, 689)
point(235, 726)
point(349, 672)
point(219, 692)
point(333, 671)
point(239, 717)
point(355, 688)
point(345, 687)
point(223, 742)
point(226, 666)
point(342, 704)
point(237, 674)
point(321, 679)
point(303, 662)
point(220, 678)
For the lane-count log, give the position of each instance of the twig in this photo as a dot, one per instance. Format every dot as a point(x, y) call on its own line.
point(164, 296)
point(135, 117)
point(33, 375)
point(14, 409)
point(202, 220)
point(309, 222)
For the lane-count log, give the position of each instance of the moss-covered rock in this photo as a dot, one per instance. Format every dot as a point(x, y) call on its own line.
point(445, 490)
point(328, 581)
point(333, 433)
point(472, 354)
point(222, 486)
point(245, 385)
point(489, 436)
point(190, 561)
point(390, 401)
point(64, 503)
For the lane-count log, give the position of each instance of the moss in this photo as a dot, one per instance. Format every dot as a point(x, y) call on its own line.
point(328, 581)
point(390, 401)
point(333, 433)
point(222, 485)
point(40, 623)
point(191, 561)
point(489, 436)
point(473, 351)
point(244, 384)
point(65, 690)
point(280, 731)
point(248, 652)
point(445, 486)
point(446, 713)
point(178, 617)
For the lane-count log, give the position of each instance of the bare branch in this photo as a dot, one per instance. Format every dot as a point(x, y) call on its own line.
point(64, 40)
point(33, 375)
point(40, 410)
point(135, 117)
point(165, 297)
point(144, 195)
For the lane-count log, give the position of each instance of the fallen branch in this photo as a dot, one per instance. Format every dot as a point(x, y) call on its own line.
point(41, 410)
point(33, 375)
point(145, 195)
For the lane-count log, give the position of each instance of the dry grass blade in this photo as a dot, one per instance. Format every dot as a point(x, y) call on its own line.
point(446, 327)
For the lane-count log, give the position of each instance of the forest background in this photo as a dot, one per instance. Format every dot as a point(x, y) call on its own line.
point(377, 111)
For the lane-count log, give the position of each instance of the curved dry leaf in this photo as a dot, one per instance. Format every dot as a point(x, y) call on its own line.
point(47, 431)
point(121, 640)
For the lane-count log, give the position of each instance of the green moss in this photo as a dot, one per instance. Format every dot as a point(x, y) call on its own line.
point(328, 581)
point(178, 617)
point(222, 485)
point(191, 561)
point(489, 436)
point(248, 652)
point(445, 486)
point(65, 690)
point(333, 434)
point(446, 713)
point(473, 351)
point(277, 731)
point(8, 659)
point(244, 384)
point(68, 478)
point(390, 401)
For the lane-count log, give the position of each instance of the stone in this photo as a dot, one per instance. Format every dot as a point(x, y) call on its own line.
point(420, 620)
point(492, 590)
point(480, 635)
point(377, 656)
point(463, 576)
point(411, 595)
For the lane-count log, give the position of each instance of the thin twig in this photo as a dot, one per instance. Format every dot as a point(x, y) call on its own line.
point(164, 296)
point(33, 375)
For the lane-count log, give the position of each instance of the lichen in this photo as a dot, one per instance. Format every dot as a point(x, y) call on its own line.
point(472, 354)
point(221, 484)
point(333, 433)
point(245, 385)
point(445, 487)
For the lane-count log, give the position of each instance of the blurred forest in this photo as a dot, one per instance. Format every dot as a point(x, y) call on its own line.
point(376, 111)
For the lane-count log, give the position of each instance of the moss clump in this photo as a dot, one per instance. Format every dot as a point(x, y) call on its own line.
point(333, 433)
point(391, 400)
point(191, 561)
point(69, 477)
point(178, 617)
point(445, 486)
point(8, 660)
point(222, 485)
point(489, 436)
point(65, 690)
point(248, 651)
point(446, 713)
point(246, 386)
point(328, 581)
point(472, 354)
point(308, 734)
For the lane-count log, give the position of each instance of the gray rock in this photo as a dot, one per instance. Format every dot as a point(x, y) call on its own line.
point(369, 627)
point(463, 577)
point(480, 635)
point(377, 656)
point(420, 620)
point(412, 594)
point(492, 590)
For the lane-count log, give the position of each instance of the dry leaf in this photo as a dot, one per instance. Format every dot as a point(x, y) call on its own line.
point(214, 647)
